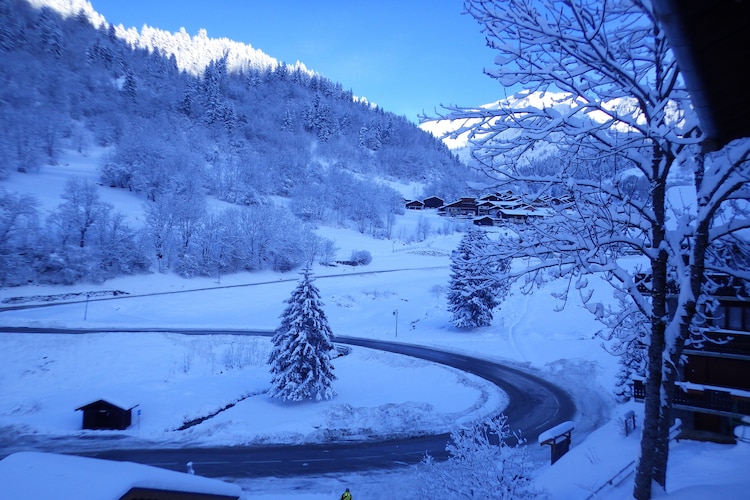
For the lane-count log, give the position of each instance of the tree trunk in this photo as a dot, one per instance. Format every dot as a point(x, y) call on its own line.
point(649, 436)
point(661, 448)
point(654, 441)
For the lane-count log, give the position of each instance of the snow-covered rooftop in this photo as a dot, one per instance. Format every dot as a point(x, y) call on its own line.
point(34, 475)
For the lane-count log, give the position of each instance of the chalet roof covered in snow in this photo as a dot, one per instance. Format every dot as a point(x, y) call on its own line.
point(33, 475)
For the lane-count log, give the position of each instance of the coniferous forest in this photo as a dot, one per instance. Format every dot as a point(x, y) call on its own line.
point(284, 147)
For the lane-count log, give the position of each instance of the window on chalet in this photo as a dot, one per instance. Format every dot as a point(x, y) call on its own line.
point(732, 316)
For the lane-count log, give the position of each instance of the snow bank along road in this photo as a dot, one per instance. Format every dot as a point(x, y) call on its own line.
point(535, 405)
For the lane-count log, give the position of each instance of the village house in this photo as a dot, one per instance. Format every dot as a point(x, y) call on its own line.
point(414, 205)
point(464, 207)
point(433, 202)
point(496, 209)
point(712, 396)
point(487, 208)
point(487, 221)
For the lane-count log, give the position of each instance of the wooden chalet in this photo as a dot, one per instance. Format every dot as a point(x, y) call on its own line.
point(563, 199)
point(465, 207)
point(713, 392)
point(102, 414)
point(414, 205)
point(499, 196)
point(489, 198)
point(517, 216)
point(496, 208)
point(486, 221)
point(487, 208)
point(707, 39)
point(433, 202)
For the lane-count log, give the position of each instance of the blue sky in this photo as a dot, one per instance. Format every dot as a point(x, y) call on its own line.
point(407, 56)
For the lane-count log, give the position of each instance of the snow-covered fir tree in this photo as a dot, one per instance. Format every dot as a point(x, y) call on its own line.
point(472, 293)
point(300, 360)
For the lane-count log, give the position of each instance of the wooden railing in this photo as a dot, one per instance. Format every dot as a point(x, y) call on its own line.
point(716, 401)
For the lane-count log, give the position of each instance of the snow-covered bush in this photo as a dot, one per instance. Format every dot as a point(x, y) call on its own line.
point(360, 257)
point(326, 251)
point(481, 465)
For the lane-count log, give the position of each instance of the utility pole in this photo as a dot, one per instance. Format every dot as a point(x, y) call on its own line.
point(395, 313)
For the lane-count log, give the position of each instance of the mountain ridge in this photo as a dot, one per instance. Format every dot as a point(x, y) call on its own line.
point(282, 150)
point(193, 53)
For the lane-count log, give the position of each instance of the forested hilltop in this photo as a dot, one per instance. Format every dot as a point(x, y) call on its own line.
point(238, 131)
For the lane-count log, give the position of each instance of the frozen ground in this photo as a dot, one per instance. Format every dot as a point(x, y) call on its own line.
point(177, 378)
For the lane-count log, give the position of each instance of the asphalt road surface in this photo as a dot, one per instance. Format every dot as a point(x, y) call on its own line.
point(535, 405)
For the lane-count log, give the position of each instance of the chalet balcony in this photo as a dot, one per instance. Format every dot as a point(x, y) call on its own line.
point(735, 343)
point(707, 399)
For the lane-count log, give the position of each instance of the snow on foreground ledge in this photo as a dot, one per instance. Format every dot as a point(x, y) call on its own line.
point(34, 475)
point(601, 466)
point(177, 378)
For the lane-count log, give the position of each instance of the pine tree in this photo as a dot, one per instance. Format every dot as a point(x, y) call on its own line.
point(473, 293)
point(51, 34)
point(130, 85)
point(301, 357)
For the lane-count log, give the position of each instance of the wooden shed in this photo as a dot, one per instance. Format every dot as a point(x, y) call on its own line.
point(102, 414)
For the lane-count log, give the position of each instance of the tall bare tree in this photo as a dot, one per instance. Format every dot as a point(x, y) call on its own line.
point(605, 125)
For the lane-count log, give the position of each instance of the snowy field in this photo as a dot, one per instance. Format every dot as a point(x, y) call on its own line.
point(175, 378)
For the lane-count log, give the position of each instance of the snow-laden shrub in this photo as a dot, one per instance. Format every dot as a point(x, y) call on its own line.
point(361, 257)
point(481, 465)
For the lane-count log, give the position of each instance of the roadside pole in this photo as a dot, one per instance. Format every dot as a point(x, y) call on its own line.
point(395, 313)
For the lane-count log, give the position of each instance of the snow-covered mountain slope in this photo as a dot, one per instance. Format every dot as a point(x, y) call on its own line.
point(192, 53)
point(561, 102)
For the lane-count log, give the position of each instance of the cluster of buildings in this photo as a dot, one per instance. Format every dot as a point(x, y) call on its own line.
point(494, 209)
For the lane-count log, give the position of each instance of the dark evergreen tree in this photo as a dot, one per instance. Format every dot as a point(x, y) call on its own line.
point(301, 357)
point(50, 32)
point(213, 98)
point(473, 293)
point(288, 122)
point(129, 86)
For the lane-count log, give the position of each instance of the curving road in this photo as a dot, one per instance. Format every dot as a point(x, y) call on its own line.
point(535, 405)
